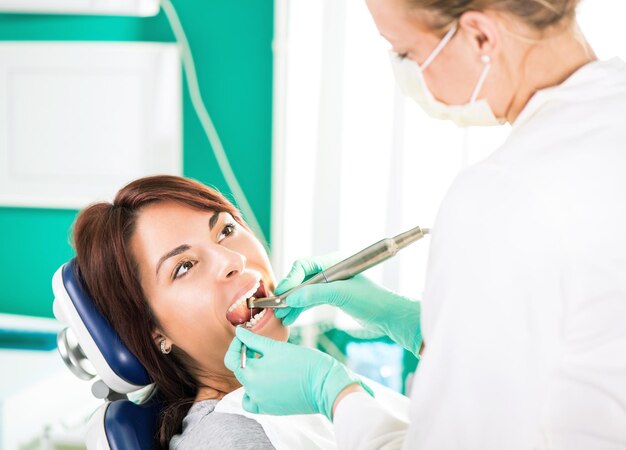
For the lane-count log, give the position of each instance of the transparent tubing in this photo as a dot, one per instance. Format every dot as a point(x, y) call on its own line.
point(207, 123)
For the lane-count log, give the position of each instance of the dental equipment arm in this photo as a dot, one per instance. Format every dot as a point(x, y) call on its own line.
point(374, 307)
point(348, 268)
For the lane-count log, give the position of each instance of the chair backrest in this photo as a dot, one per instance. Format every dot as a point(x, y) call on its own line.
point(123, 425)
point(119, 424)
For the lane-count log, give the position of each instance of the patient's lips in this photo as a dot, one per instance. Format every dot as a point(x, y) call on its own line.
point(238, 312)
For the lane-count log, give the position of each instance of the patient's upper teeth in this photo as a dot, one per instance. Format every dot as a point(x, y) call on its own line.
point(244, 297)
point(236, 304)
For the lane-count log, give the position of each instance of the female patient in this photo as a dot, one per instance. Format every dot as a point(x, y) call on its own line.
point(170, 264)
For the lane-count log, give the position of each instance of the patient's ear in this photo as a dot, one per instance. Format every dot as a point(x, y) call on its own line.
point(158, 336)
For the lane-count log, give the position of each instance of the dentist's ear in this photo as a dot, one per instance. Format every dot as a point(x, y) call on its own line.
point(483, 32)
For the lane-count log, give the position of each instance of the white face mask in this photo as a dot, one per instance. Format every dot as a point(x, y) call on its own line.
point(409, 76)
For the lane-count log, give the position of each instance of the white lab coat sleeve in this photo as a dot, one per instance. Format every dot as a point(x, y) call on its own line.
point(361, 422)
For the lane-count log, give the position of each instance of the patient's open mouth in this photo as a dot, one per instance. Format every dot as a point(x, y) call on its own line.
point(238, 313)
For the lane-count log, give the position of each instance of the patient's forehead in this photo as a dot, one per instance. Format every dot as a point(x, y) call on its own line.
point(162, 226)
point(170, 218)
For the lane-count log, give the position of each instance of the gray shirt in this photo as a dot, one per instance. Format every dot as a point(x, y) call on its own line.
point(203, 428)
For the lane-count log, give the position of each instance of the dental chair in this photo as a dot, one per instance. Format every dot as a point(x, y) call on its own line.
point(92, 350)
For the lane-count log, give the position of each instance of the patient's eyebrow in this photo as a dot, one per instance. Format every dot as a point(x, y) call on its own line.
point(177, 251)
point(213, 220)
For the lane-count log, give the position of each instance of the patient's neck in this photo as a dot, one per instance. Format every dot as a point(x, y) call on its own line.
point(206, 393)
point(216, 389)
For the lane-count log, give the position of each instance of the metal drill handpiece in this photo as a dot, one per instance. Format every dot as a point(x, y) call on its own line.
point(349, 267)
point(268, 302)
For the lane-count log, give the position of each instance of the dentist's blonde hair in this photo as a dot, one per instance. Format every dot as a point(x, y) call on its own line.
point(539, 14)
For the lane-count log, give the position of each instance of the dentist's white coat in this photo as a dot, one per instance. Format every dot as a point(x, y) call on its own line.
point(524, 311)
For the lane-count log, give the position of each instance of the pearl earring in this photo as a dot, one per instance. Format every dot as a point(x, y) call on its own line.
point(164, 350)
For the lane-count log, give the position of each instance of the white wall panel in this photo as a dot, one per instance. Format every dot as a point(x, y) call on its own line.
point(105, 7)
point(78, 120)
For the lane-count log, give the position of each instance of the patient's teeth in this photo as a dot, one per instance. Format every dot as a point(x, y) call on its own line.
point(253, 321)
point(256, 318)
point(244, 297)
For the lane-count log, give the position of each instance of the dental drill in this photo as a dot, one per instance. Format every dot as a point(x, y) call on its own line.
point(348, 268)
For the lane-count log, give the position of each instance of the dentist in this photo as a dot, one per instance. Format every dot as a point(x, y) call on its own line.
point(523, 317)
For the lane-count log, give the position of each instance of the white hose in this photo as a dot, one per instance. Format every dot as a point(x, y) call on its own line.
point(206, 122)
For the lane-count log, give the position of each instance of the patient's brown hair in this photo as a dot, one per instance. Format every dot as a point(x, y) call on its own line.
point(101, 237)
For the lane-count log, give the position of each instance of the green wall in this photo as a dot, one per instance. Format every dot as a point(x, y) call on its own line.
point(231, 42)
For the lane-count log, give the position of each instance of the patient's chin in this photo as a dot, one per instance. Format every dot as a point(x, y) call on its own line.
point(274, 329)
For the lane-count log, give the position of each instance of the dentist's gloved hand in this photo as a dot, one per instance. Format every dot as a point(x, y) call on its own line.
point(373, 306)
point(287, 379)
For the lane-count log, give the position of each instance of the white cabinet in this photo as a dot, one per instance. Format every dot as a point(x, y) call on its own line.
point(78, 120)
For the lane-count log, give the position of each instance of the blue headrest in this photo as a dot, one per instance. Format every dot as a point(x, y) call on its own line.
point(117, 366)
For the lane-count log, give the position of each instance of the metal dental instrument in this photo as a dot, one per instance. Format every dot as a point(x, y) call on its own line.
point(244, 348)
point(355, 264)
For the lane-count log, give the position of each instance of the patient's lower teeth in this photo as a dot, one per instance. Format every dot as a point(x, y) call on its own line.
point(252, 322)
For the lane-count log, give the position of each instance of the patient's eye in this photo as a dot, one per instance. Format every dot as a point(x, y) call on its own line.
point(228, 229)
point(182, 268)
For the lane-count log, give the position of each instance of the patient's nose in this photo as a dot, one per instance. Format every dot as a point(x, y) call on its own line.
point(228, 263)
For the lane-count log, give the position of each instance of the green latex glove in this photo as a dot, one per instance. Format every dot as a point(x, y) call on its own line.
point(287, 379)
point(373, 306)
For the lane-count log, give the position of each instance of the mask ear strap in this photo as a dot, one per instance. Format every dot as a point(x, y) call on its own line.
point(483, 76)
point(438, 48)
